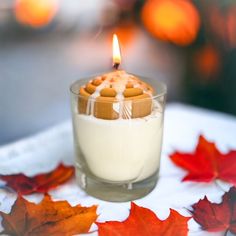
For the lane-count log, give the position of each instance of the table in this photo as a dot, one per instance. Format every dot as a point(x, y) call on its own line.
point(183, 124)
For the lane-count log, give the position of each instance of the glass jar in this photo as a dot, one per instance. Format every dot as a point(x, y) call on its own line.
point(118, 143)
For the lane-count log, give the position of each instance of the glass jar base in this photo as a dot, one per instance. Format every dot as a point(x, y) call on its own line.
point(115, 192)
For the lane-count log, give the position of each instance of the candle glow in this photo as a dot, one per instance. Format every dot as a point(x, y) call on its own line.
point(116, 52)
point(35, 13)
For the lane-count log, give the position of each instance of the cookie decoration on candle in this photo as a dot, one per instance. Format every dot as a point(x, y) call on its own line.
point(116, 95)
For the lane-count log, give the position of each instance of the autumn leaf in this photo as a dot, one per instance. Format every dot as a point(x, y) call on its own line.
point(47, 218)
point(207, 163)
point(144, 222)
point(41, 183)
point(217, 217)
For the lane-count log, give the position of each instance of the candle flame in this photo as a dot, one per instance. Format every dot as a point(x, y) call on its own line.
point(116, 52)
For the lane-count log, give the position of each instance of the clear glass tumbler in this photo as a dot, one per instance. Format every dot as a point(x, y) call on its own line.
point(118, 146)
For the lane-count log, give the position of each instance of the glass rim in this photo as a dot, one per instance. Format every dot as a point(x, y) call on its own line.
point(82, 81)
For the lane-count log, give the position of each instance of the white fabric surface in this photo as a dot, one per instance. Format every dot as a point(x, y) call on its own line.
point(183, 124)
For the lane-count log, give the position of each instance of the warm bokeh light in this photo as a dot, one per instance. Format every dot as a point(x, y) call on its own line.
point(171, 20)
point(231, 27)
point(126, 33)
point(116, 51)
point(35, 13)
point(207, 61)
point(223, 25)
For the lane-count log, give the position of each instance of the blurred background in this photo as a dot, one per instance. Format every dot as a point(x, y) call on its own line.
point(45, 45)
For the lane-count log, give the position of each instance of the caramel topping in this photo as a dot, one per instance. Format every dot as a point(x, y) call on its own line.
point(117, 83)
point(116, 95)
point(108, 92)
point(129, 85)
point(90, 88)
point(97, 82)
point(131, 92)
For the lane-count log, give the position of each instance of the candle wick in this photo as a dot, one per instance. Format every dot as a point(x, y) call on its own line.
point(116, 65)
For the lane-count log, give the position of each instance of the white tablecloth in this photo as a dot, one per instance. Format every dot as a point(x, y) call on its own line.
point(183, 124)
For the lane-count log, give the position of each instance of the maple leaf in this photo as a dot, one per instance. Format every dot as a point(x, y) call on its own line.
point(144, 222)
point(207, 163)
point(217, 217)
point(47, 218)
point(41, 183)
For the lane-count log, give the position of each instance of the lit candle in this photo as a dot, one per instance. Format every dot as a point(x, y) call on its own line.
point(118, 125)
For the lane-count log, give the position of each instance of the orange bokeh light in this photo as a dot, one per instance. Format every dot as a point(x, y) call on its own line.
point(35, 13)
point(223, 24)
point(126, 33)
point(171, 20)
point(231, 27)
point(207, 61)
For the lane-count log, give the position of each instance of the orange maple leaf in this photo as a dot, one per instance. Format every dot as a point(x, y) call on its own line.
point(47, 218)
point(144, 222)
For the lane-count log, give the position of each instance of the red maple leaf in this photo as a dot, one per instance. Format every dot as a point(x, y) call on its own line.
point(207, 163)
point(143, 221)
point(47, 218)
point(215, 217)
point(41, 183)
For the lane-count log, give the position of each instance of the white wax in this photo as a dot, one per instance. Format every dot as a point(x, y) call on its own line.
point(120, 150)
